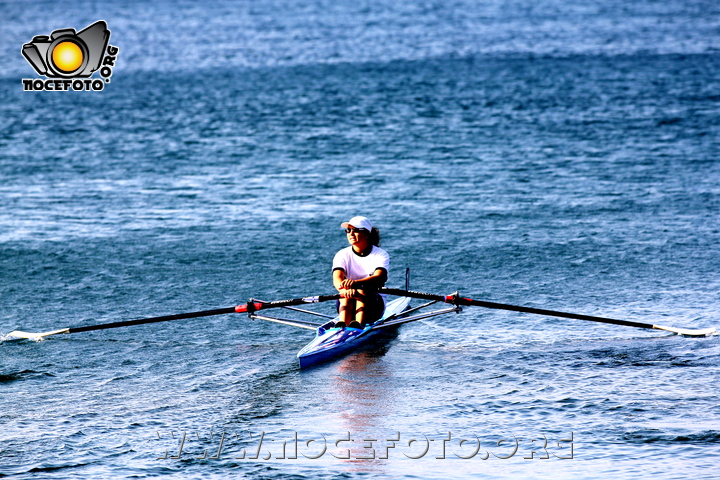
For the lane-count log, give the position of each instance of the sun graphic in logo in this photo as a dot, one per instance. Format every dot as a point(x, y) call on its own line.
point(67, 56)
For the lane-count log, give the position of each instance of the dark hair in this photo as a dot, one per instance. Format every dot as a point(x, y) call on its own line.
point(374, 237)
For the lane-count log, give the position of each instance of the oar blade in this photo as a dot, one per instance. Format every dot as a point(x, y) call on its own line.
point(703, 332)
point(18, 335)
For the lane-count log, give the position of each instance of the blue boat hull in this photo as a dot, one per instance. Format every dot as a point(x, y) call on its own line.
point(335, 342)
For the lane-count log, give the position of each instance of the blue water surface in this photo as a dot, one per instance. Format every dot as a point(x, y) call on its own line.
point(556, 155)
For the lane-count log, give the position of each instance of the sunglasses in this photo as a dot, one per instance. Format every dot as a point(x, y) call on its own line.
point(354, 230)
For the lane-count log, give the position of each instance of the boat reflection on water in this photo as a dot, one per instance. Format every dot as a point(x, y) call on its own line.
point(364, 396)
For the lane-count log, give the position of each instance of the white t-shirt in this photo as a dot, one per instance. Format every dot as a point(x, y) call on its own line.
point(356, 266)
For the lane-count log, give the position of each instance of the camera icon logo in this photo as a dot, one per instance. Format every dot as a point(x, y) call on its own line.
point(68, 54)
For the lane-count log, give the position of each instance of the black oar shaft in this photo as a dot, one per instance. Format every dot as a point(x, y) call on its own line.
point(244, 308)
point(166, 318)
point(253, 306)
point(501, 306)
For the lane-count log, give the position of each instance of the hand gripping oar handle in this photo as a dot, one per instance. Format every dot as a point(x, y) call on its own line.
point(248, 307)
point(457, 300)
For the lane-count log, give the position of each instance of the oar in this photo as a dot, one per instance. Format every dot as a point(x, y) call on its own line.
point(457, 300)
point(249, 307)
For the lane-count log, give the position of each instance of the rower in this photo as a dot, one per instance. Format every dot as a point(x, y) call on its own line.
point(358, 272)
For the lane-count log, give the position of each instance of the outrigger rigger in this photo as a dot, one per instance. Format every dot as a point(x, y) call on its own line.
point(331, 342)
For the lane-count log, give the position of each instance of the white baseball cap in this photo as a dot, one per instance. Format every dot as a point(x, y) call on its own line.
point(358, 222)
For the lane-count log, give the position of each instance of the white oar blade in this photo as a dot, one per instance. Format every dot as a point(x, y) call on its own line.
point(17, 334)
point(688, 332)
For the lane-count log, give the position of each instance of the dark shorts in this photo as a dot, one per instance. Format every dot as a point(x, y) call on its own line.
point(374, 308)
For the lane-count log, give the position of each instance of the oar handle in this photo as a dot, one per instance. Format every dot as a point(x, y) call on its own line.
point(251, 307)
point(457, 300)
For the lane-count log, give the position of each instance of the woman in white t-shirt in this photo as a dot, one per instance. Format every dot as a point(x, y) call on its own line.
point(358, 272)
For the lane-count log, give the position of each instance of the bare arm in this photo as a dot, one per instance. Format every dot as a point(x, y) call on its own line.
point(374, 281)
point(338, 278)
point(339, 282)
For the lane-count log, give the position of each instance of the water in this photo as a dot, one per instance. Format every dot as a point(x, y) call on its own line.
point(548, 154)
